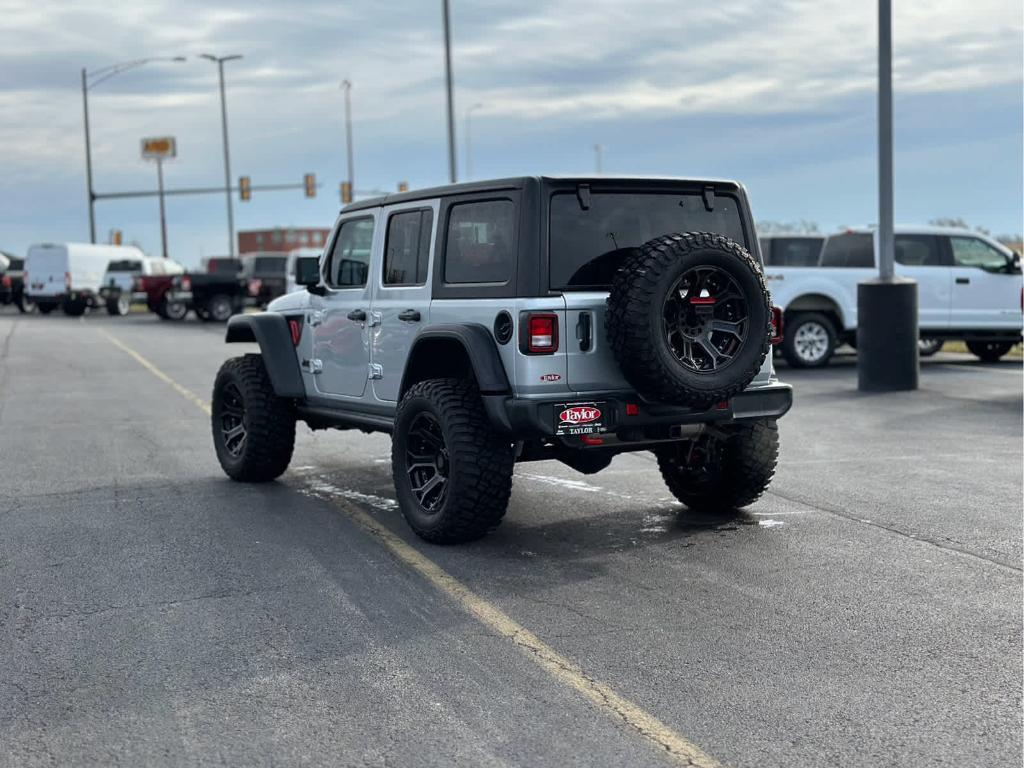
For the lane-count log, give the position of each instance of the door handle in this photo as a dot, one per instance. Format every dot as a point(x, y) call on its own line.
point(358, 315)
point(963, 280)
point(409, 316)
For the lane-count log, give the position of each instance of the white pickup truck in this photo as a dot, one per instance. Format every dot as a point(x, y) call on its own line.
point(969, 289)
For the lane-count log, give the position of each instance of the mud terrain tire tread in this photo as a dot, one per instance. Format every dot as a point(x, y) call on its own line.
point(481, 462)
point(269, 422)
point(635, 286)
point(748, 461)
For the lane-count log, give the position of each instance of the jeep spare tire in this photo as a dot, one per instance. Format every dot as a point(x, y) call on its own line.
point(689, 318)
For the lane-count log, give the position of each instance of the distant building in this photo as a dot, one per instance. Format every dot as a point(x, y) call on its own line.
point(281, 239)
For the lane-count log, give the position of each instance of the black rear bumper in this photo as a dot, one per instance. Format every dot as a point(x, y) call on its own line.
point(527, 419)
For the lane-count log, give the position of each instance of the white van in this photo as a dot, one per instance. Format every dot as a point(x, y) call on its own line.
point(70, 275)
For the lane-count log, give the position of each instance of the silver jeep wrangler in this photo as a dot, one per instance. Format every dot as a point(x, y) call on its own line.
point(521, 319)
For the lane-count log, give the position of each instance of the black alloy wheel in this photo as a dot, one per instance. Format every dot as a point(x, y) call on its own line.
point(706, 319)
point(427, 462)
point(232, 420)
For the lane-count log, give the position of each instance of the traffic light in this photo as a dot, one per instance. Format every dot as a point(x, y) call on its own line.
point(346, 193)
point(244, 188)
point(403, 186)
point(310, 181)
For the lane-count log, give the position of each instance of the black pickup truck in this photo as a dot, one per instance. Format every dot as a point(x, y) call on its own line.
point(214, 295)
point(266, 276)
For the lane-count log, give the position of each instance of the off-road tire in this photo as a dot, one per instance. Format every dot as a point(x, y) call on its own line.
point(634, 320)
point(989, 351)
point(218, 309)
point(790, 341)
point(742, 466)
point(269, 422)
point(479, 463)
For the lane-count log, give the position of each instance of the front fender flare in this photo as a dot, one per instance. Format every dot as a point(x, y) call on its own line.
point(270, 331)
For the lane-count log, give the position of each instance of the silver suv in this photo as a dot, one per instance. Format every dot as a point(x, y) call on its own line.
point(521, 319)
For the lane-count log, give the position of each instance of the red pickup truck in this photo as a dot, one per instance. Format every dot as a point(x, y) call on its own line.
point(213, 295)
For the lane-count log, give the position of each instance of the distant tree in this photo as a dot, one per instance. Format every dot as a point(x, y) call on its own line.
point(802, 227)
point(957, 222)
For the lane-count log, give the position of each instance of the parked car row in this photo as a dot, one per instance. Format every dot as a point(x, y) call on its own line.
point(969, 289)
point(77, 277)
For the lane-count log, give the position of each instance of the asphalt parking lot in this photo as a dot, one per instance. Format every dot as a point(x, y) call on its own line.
point(867, 611)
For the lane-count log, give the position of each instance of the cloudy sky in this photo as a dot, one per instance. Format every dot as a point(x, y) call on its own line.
point(778, 93)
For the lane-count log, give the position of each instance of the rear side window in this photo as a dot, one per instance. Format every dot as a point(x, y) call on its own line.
point(407, 250)
point(350, 257)
point(478, 245)
point(587, 244)
point(855, 249)
point(791, 251)
point(125, 266)
point(919, 251)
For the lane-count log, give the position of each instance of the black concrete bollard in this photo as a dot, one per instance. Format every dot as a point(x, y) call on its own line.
point(887, 335)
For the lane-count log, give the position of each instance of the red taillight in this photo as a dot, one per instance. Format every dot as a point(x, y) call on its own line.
point(776, 325)
point(591, 440)
point(295, 326)
point(254, 287)
point(632, 409)
point(186, 284)
point(5, 281)
point(541, 333)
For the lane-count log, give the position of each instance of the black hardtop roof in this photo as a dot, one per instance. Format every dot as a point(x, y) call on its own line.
point(518, 182)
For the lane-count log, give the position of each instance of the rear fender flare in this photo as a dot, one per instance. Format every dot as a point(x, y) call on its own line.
point(480, 348)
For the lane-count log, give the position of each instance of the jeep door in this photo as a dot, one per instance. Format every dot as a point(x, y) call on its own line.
point(924, 259)
point(340, 335)
point(986, 285)
point(401, 291)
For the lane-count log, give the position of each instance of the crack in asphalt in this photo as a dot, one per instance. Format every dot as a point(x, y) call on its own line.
point(945, 544)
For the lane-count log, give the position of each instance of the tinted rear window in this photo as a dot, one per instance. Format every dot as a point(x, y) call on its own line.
point(223, 266)
point(856, 249)
point(270, 266)
point(791, 251)
point(17, 263)
point(586, 246)
point(125, 266)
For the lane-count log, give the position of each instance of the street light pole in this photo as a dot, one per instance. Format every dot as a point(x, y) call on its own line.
point(88, 160)
point(163, 217)
point(99, 75)
point(887, 318)
point(452, 174)
point(469, 141)
point(219, 60)
point(598, 150)
point(347, 87)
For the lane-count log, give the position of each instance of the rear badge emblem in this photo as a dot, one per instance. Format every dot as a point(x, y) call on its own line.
point(551, 377)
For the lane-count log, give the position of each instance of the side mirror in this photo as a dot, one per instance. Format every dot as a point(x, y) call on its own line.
point(307, 273)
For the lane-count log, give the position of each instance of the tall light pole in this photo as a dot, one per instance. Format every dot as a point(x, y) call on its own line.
point(887, 320)
point(598, 157)
point(469, 141)
point(452, 174)
point(91, 80)
point(346, 86)
point(219, 60)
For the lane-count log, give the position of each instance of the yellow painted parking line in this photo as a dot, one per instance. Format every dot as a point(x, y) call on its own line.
point(188, 394)
point(674, 746)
